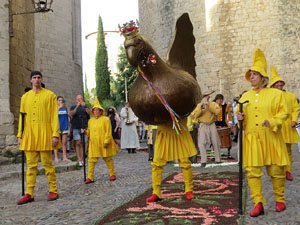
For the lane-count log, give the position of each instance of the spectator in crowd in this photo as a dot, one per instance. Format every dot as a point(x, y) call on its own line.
point(63, 116)
point(234, 119)
point(80, 116)
point(101, 142)
point(142, 130)
point(115, 124)
point(40, 136)
point(129, 136)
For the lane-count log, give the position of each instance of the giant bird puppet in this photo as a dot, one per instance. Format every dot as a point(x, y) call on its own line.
point(164, 94)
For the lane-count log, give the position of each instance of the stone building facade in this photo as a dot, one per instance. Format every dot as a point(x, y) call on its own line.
point(227, 33)
point(49, 42)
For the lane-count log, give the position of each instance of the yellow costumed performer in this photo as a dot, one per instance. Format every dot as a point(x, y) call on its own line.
point(289, 132)
point(170, 146)
point(263, 143)
point(164, 94)
point(40, 136)
point(101, 142)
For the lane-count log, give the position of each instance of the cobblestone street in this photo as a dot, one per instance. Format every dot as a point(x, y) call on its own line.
point(84, 204)
point(78, 203)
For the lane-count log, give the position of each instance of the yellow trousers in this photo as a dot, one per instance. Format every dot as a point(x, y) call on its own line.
point(108, 161)
point(32, 159)
point(277, 174)
point(157, 168)
point(289, 151)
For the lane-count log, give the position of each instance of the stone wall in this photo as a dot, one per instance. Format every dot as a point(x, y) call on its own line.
point(49, 42)
point(6, 117)
point(227, 33)
point(21, 60)
point(58, 49)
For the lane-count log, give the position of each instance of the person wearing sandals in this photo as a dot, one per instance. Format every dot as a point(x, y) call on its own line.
point(101, 142)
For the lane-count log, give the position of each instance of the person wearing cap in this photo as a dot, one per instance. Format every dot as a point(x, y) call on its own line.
point(80, 115)
point(224, 118)
point(263, 143)
point(101, 142)
point(207, 133)
point(288, 129)
point(40, 136)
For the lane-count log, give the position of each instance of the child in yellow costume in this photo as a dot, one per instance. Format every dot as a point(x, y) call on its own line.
point(170, 146)
point(101, 143)
point(263, 144)
point(289, 132)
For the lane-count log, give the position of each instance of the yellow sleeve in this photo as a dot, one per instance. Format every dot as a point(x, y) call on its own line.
point(108, 133)
point(189, 123)
point(214, 108)
point(281, 114)
point(197, 111)
point(295, 109)
point(54, 116)
point(19, 135)
point(87, 132)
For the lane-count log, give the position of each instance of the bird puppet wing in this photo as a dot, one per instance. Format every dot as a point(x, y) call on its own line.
point(182, 52)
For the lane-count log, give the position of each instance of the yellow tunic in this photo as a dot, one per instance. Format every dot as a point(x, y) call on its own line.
point(170, 146)
point(228, 116)
point(208, 114)
point(264, 145)
point(41, 120)
point(99, 131)
point(290, 135)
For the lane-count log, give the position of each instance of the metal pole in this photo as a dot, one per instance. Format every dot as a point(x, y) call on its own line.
point(23, 155)
point(241, 160)
point(126, 98)
point(83, 146)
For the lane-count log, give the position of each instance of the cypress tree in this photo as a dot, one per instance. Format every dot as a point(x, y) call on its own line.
point(102, 72)
point(87, 96)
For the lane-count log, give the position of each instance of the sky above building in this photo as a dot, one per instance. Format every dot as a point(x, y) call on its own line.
point(112, 12)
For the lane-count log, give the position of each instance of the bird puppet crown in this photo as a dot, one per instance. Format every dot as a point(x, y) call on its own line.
point(129, 30)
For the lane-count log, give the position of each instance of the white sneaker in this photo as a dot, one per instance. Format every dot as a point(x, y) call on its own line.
point(80, 163)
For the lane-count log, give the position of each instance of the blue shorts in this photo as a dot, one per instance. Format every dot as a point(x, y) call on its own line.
point(77, 134)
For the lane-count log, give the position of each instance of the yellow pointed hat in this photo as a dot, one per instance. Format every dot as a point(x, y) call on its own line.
point(274, 76)
point(97, 105)
point(259, 64)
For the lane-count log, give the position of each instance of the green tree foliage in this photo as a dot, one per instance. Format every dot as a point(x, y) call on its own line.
point(125, 70)
point(102, 71)
point(87, 96)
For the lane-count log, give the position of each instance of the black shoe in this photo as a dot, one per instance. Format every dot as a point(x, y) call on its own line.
point(129, 150)
point(133, 150)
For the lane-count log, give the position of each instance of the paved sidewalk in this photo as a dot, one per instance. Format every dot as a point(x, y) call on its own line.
point(84, 204)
